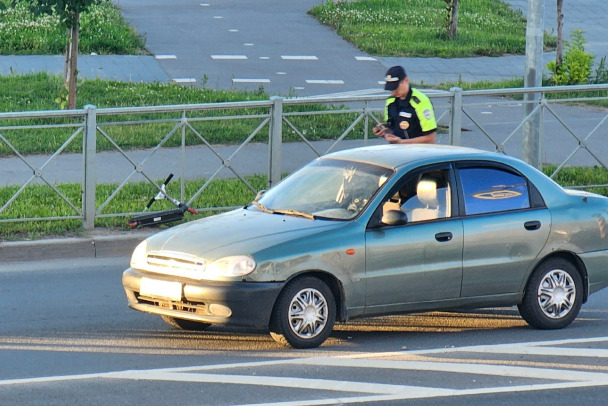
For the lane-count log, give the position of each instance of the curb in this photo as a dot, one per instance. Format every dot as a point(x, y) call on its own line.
point(102, 246)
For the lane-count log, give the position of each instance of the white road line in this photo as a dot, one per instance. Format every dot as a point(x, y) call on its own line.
point(376, 392)
point(366, 58)
point(276, 381)
point(324, 82)
point(229, 57)
point(461, 368)
point(165, 57)
point(299, 57)
point(218, 17)
point(241, 80)
point(184, 80)
point(519, 347)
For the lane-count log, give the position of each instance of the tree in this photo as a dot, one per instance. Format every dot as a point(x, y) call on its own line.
point(452, 17)
point(69, 13)
point(559, 52)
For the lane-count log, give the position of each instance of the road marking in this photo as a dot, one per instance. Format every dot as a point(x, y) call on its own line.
point(541, 378)
point(299, 57)
point(218, 17)
point(165, 57)
point(233, 30)
point(241, 80)
point(366, 58)
point(324, 82)
point(229, 57)
point(184, 80)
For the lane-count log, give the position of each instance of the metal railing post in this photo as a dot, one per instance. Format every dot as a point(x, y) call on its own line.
point(89, 177)
point(455, 134)
point(275, 140)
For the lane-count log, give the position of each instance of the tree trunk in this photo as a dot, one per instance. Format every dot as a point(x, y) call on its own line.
point(453, 19)
point(559, 52)
point(71, 62)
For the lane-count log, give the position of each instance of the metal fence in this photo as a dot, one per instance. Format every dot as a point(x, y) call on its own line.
point(85, 149)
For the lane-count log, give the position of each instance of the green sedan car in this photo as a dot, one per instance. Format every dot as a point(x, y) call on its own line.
point(380, 230)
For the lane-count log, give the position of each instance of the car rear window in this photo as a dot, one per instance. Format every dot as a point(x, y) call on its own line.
point(490, 190)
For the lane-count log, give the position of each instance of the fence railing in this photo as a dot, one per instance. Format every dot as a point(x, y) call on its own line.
point(60, 151)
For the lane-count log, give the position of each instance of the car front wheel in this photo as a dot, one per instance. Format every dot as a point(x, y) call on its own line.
point(184, 324)
point(304, 314)
point(553, 296)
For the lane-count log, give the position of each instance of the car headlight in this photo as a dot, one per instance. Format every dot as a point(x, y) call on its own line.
point(139, 259)
point(238, 265)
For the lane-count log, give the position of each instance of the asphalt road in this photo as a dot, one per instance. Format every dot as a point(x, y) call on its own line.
point(67, 337)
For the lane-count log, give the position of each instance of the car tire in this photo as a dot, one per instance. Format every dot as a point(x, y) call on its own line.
point(304, 314)
point(553, 296)
point(184, 324)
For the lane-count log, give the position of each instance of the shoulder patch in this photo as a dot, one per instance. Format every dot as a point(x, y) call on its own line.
point(416, 99)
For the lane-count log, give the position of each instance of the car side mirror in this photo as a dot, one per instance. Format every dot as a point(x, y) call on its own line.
point(394, 218)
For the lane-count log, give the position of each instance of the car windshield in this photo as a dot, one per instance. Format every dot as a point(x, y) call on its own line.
point(326, 188)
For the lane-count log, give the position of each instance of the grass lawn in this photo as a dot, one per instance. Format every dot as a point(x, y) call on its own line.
point(417, 28)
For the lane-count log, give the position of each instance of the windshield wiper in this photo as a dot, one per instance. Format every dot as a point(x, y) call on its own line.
point(291, 212)
point(288, 212)
point(262, 207)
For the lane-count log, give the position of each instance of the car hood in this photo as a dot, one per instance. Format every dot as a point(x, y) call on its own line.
point(237, 232)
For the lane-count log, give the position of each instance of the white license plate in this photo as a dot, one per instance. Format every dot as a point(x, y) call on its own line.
point(161, 289)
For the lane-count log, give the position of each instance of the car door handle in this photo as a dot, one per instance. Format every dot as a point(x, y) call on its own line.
point(442, 237)
point(532, 225)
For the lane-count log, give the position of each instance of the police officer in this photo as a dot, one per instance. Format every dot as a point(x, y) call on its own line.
point(409, 113)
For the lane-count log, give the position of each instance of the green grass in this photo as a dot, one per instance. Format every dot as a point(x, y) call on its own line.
point(42, 201)
point(519, 83)
point(103, 30)
point(417, 28)
point(37, 92)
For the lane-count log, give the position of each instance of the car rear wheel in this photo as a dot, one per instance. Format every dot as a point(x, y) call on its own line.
point(183, 324)
point(553, 296)
point(304, 314)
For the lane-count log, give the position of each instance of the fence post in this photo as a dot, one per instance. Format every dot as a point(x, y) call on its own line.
point(275, 140)
point(455, 135)
point(89, 177)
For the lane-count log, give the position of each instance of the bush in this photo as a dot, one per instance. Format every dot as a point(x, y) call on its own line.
point(576, 67)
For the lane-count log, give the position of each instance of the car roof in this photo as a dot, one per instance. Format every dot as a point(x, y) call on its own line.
point(394, 156)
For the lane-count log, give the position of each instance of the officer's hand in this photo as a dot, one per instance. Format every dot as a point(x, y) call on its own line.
point(392, 139)
point(380, 130)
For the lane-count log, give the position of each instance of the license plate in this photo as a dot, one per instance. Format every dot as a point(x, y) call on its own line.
point(161, 289)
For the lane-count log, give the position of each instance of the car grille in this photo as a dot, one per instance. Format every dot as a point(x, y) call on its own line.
point(176, 264)
point(187, 307)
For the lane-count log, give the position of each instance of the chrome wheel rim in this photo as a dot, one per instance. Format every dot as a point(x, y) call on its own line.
point(308, 313)
point(556, 294)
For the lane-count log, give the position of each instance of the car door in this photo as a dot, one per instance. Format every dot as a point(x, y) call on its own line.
point(420, 260)
point(506, 225)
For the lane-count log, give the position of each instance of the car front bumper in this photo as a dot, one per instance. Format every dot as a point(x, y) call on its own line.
point(244, 304)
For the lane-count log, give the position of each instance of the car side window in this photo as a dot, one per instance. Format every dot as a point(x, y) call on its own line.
point(490, 190)
point(423, 196)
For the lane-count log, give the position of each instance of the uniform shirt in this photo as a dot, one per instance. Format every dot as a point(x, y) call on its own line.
point(412, 117)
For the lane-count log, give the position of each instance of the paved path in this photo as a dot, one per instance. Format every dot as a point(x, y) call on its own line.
point(275, 45)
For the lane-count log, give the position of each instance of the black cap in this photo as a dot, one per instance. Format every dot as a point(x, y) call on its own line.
point(394, 76)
